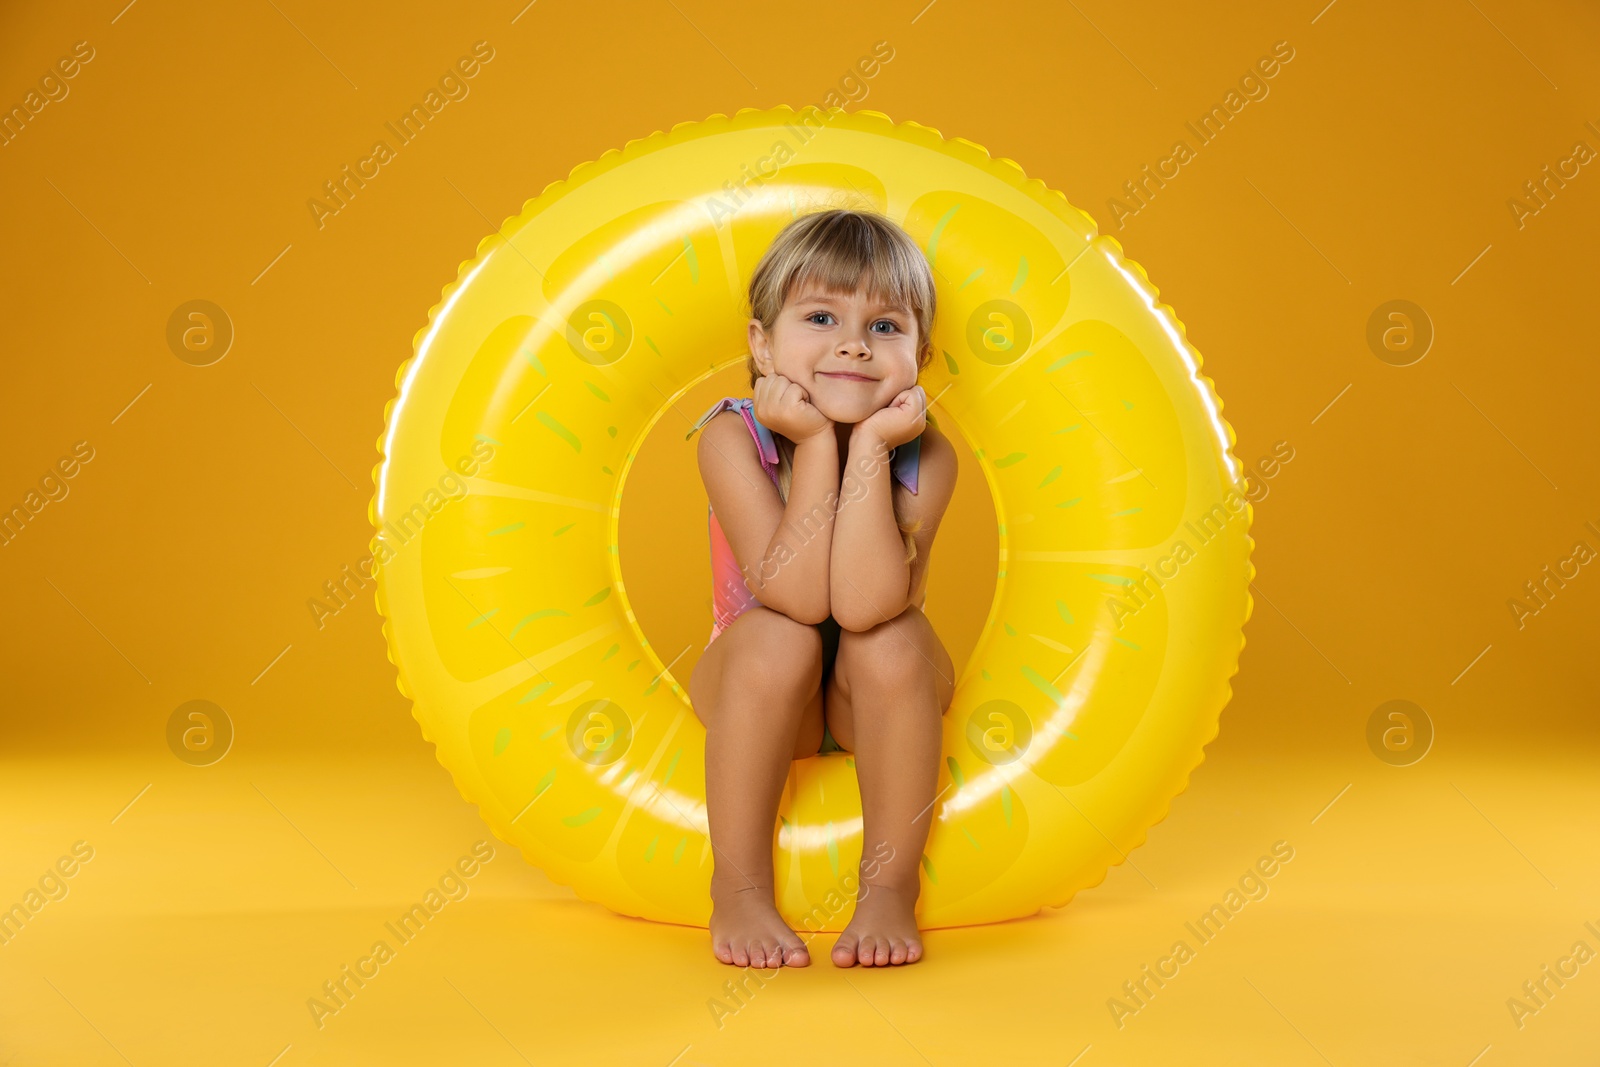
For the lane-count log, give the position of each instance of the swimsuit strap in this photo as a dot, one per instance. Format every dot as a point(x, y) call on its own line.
point(904, 460)
point(765, 445)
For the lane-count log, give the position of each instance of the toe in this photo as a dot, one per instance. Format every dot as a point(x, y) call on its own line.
point(795, 955)
point(897, 951)
point(741, 955)
point(913, 951)
point(864, 950)
point(844, 950)
point(881, 958)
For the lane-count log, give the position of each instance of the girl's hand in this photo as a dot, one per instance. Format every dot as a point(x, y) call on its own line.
point(785, 407)
point(902, 420)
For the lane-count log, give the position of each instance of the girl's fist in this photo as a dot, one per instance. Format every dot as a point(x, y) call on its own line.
point(902, 420)
point(784, 407)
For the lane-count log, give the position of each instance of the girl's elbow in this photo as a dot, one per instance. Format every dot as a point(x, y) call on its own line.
point(813, 617)
point(851, 623)
point(860, 622)
point(809, 611)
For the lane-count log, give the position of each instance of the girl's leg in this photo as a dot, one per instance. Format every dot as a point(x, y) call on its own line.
point(758, 689)
point(885, 701)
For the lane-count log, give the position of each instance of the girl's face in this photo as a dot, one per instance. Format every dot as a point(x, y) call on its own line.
point(852, 354)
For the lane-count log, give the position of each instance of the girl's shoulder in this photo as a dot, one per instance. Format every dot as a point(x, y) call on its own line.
point(731, 420)
point(730, 416)
point(737, 404)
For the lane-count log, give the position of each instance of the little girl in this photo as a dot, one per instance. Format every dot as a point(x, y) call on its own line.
point(820, 560)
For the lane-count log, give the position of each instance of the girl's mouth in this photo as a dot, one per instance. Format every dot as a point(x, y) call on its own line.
point(845, 377)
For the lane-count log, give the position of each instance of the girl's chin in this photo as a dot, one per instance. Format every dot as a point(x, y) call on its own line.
point(848, 410)
point(844, 415)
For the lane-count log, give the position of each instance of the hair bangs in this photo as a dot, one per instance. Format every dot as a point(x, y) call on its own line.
point(847, 249)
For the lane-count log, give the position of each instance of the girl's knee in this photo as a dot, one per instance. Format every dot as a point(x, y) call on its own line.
point(785, 656)
point(893, 652)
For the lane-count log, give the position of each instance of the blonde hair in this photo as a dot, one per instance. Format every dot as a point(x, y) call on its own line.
point(834, 249)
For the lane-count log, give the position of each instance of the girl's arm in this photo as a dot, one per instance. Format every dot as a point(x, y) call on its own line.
point(869, 579)
point(783, 549)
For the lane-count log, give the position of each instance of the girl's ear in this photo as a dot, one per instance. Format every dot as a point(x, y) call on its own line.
point(758, 347)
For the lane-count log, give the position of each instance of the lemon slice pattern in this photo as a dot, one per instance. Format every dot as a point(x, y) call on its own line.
point(575, 330)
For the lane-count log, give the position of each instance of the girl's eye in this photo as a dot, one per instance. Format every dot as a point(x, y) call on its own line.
point(813, 317)
point(889, 323)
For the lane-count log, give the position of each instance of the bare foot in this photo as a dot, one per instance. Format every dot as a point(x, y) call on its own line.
point(882, 931)
point(747, 931)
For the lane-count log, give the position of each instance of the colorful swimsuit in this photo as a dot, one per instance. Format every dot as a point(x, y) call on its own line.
point(730, 596)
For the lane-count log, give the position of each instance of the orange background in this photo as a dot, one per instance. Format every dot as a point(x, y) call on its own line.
point(207, 520)
point(1378, 167)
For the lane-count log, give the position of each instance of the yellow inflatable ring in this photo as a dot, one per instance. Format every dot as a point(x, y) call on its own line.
point(1123, 569)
